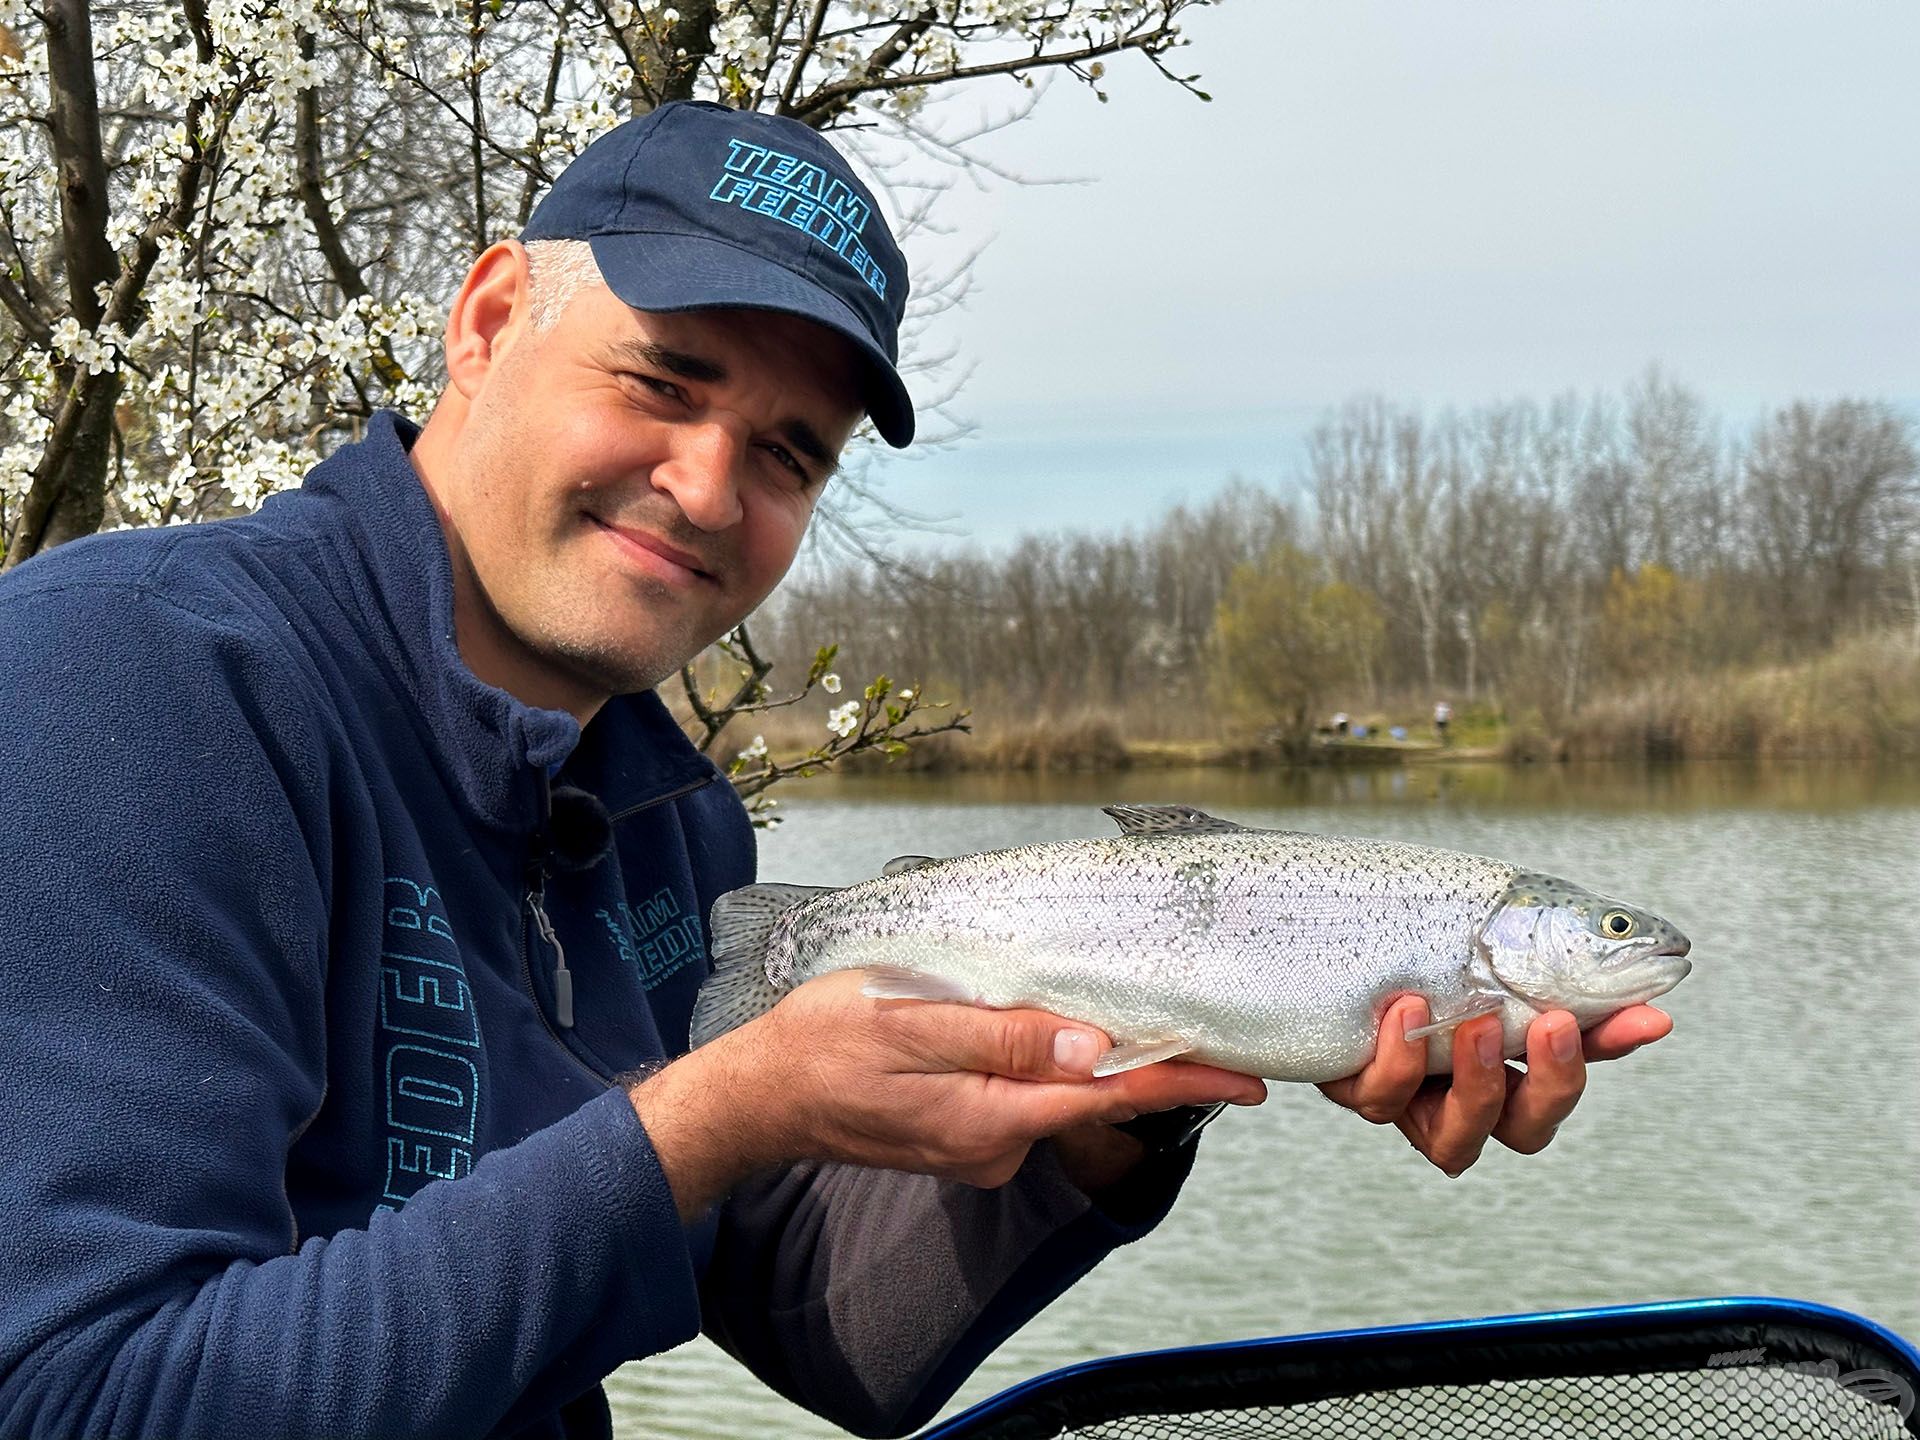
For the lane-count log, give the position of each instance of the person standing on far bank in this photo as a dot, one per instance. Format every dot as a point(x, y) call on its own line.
point(357, 883)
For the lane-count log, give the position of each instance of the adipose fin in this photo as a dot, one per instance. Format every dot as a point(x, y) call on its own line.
point(738, 990)
point(901, 863)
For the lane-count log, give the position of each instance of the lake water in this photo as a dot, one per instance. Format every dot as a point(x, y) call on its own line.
point(1771, 1145)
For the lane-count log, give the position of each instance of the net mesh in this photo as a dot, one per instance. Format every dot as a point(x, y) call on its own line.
point(1736, 1368)
point(1731, 1403)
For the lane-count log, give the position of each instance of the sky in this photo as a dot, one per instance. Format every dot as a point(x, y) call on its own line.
point(1441, 204)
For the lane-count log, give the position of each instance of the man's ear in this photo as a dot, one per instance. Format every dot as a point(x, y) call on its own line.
point(487, 316)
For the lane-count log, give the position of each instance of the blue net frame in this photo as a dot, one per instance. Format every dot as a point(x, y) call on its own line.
point(1741, 1367)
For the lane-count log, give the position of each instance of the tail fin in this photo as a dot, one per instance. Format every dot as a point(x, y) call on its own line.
point(738, 990)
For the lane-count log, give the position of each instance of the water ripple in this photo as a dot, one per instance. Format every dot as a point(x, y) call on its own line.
point(1769, 1146)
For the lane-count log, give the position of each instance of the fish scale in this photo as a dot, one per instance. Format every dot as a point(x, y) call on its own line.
point(1270, 952)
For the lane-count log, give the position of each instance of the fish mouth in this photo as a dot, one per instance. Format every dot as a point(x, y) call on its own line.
point(1654, 972)
point(1672, 970)
point(1638, 975)
point(1629, 956)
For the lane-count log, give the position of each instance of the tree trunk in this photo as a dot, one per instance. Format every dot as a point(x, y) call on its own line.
point(80, 496)
point(68, 494)
point(67, 497)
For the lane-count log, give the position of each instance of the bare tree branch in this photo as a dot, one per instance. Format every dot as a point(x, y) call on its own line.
point(803, 54)
point(549, 97)
point(313, 199)
point(25, 313)
point(476, 28)
point(826, 103)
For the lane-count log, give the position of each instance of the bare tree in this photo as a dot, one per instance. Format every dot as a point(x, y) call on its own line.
point(1832, 495)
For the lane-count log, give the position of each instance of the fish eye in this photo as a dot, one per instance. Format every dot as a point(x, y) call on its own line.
point(1617, 924)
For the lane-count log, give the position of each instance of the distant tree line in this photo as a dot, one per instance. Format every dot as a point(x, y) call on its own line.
point(1530, 554)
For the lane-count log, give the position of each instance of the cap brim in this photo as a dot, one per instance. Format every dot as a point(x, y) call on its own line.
point(667, 273)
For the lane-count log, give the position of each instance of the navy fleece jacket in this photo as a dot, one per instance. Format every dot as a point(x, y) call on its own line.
point(295, 1138)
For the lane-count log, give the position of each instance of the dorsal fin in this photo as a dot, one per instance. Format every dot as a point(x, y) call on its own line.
point(1169, 820)
point(905, 862)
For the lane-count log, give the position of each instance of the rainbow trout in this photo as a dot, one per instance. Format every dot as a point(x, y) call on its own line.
point(1271, 952)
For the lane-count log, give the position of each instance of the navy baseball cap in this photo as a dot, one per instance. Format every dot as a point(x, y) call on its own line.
point(698, 207)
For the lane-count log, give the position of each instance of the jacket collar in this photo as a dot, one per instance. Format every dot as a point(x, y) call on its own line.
point(493, 748)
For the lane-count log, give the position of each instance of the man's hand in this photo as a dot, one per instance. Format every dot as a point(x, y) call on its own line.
point(950, 1090)
point(1450, 1120)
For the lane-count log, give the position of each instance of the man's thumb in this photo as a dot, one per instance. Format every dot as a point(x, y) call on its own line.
point(1036, 1046)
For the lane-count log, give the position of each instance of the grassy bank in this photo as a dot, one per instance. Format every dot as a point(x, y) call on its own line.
point(1860, 702)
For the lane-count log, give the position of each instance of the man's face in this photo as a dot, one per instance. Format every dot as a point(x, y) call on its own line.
point(630, 486)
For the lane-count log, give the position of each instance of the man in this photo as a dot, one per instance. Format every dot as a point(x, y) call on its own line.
point(355, 882)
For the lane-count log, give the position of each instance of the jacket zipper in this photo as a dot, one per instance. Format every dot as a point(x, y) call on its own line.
point(537, 903)
point(526, 975)
point(562, 977)
point(536, 900)
point(542, 927)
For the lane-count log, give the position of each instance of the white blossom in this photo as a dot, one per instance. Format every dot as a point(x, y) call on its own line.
point(95, 351)
point(740, 39)
point(830, 683)
point(173, 306)
point(241, 359)
point(843, 720)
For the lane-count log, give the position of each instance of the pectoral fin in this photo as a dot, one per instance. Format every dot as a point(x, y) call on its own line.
point(1453, 1022)
point(1136, 1053)
point(738, 990)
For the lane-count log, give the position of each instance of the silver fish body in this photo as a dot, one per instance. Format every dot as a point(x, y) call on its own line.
point(1268, 952)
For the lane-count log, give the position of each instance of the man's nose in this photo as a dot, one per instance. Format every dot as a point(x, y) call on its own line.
point(702, 474)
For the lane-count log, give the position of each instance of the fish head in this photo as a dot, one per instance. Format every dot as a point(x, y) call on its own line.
point(1560, 946)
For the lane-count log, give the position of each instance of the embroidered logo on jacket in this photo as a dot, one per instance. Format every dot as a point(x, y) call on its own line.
point(432, 1045)
point(657, 939)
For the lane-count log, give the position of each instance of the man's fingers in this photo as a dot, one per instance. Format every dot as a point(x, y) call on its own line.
point(1546, 1094)
point(1035, 1109)
point(1383, 1089)
point(1626, 1031)
point(1033, 1045)
point(1018, 1044)
point(1173, 1083)
point(1453, 1131)
point(942, 1036)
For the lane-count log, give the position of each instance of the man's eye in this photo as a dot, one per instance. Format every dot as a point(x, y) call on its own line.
point(788, 462)
point(666, 389)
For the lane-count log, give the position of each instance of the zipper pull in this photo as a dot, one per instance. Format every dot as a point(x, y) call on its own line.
point(562, 977)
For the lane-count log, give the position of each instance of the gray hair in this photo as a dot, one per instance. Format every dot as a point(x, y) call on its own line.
point(557, 270)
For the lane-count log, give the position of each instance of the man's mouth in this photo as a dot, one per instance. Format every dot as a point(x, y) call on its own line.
point(667, 560)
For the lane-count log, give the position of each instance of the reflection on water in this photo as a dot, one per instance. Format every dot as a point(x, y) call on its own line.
point(1769, 1146)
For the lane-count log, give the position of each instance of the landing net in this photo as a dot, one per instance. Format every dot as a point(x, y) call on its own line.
point(1695, 1370)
